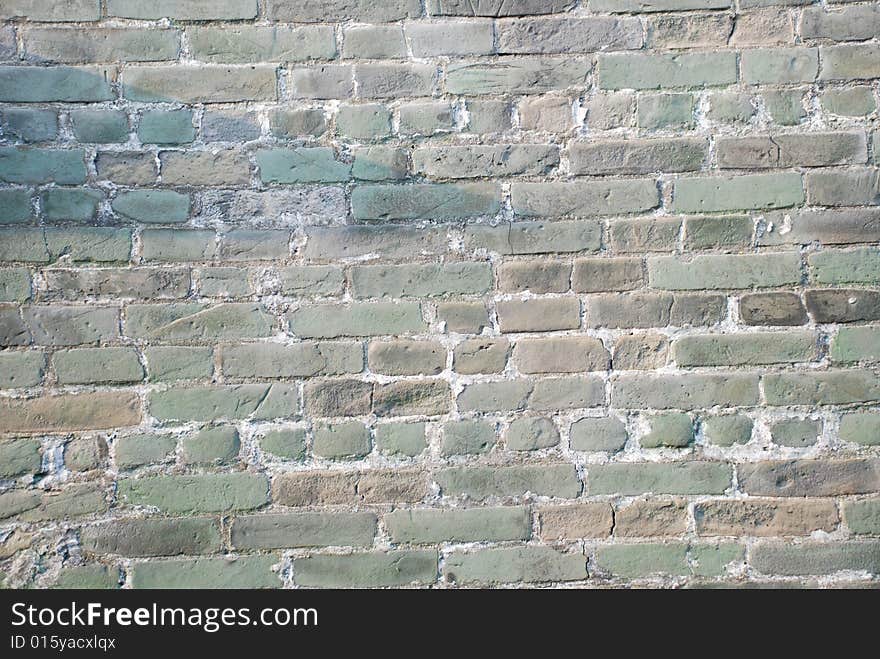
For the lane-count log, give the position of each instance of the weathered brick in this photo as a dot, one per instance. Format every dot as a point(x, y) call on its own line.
point(856, 344)
point(285, 443)
point(194, 494)
point(629, 479)
point(642, 310)
point(211, 446)
point(816, 557)
point(324, 11)
point(516, 75)
point(21, 369)
point(745, 192)
point(592, 275)
point(815, 478)
point(97, 366)
point(333, 398)
point(567, 35)
point(860, 428)
point(481, 161)
point(641, 351)
point(535, 237)
point(374, 42)
point(19, 456)
point(279, 531)
point(192, 321)
point(417, 201)
point(153, 537)
point(406, 439)
point(467, 437)
point(535, 276)
point(405, 398)
point(515, 565)
point(606, 434)
point(835, 387)
point(765, 517)
point(637, 156)
point(90, 46)
point(653, 71)
point(451, 38)
point(850, 62)
point(583, 520)
point(424, 526)
point(406, 357)
point(261, 44)
point(633, 561)
point(772, 309)
point(584, 198)
point(724, 271)
point(827, 226)
point(768, 66)
point(164, 206)
point(462, 278)
point(356, 319)
point(350, 439)
point(496, 7)
point(161, 283)
point(203, 84)
point(480, 356)
point(859, 266)
point(784, 151)
point(187, 10)
point(464, 317)
point(275, 360)
point(367, 570)
point(863, 517)
point(554, 480)
point(745, 349)
point(51, 11)
point(673, 429)
point(728, 429)
point(166, 127)
point(240, 572)
point(531, 434)
point(137, 450)
point(651, 517)
point(304, 165)
point(232, 402)
point(39, 84)
point(69, 412)
point(219, 167)
point(539, 315)
point(560, 355)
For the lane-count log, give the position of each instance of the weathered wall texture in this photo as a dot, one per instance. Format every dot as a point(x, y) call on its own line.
point(464, 292)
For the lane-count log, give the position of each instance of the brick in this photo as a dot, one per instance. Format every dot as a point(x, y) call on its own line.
point(15, 285)
point(73, 204)
point(835, 387)
point(816, 558)
point(406, 398)
point(374, 42)
point(847, 24)
point(311, 280)
point(786, 107)
point(75, 500)
point(51, 11)
point(301, 488)
point(100, 126)
point(850, 62)
point(549, 113)
point(356, 319)
point(666, 111)
point(380, 163)
point(222, 282)
point(230, 127)
point(690, 31)
point(172, 245)
point(464, 317)
point(684, 392)
point(553, 480)
point(583, 520)
point(202, 84)
point(784, 309)
point(763, 27)
point(126, 168)
point(38, 84)
point(567, 35)
point(645, 235)
point(396, 439)
point(722, 271)
point(211, 446)
point(188, 321)
point(273, 360)
point(68, 326)
point(306, 165)
point(745, 349)
point(516, 75)
point(21, 369)
point(539, 315)
point(642, 351)
point(728, 429)
point(815, 478)
point(674, 429)
point(325, 81)
point(745, 192)
point(730, 107)
point(241, 572)
point(88, 576)
point(863, 517)
point(531, 434)
point(480, 356)
point(85, 453)
point(796, 433)
point(137, 450)
point(284, 443)
point(593, 275)
point(853, 102)
point(324, 11)
point(163, 206)
point(426, 526)
point(367, 570)
point(29, 124)
point(366, 121)
point(195, 494)
point(299, 122)
point(604, 434)
point(643, 71)
point(560, 355)
point(770, 66)
point(461, 278)
point(246, 245)
point(784, 151)
point(392, 486)
point(243, 401)
point(166, 127)
point(651, 517)
point(42, 166)
point(187, 10)
point(97, 366)
point(334, 398)
point(261, 44)
point(637, 6)
point(765, 517)
point(279, 531)
point(637, 156)
point(133, 283)
point(488, 116)
point(69, 412)
point(89, 46)
point(467, 437)
point(534, 237)
point(562, 393)
point(633, 561)
point(437, 201)
point(631, 479)
point(514, 565)
point(856, 344)
point(18, 457)
point(16, 206)
point(341, 440)
point(220, 167)
point(827, 226)
point(534, 276)
point(643, 310)
point(406, 357)
point(496, 7)
point(859, 266)
point(860, 428)
point(480, 161)
point(394, 80)
point(584, 198)
point(451, 38)
point(153, 537)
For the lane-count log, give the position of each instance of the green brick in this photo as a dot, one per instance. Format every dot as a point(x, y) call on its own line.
point(406, 439)
point(69, 326)
point(318, 529)
point(97, 366)
point(534, 237)
point(64, 167)
point(241, 572)
point(467, 437)
point(821, 387)
point(245, 401)
point(21, 369)
point(172, 363)
point(356, 319)
point(162, 206)
point(367, 570)
point(694, 390)
point(211, 446)
point(88, 576)
point(495, 396)
point(772, 66)
point(815, 478)
point(427, 526)
point(77, 204)
point(186, 10)
point(262, 44)
point(728, 429)
point(463, 278)
point(166, 127)
point(634, 561)
point(76, 500)
point(100, 126)
point(516, 75)
point(673, 429)
point(209, 83)
point(860, 428)
point(744, 192)
point(15, 284)
point(854, 344)
point(342, 440)
point(606, 434)
point(515, 565)
point(584, 198)
point(863, 517)
point(850, 62)
point(153, 537)
point(632, 479)
point(724, 271)
point(194, 494)
point(303, 165)
point(849, 102)
point(40, 84)
point(285, 443)
point(97, 244)
point(797, 433)
point(193, 321)
point(137, 450)
point(423, 201)
point(654, 71)
point(713, 232)
point(746, 349)
point(364, 122)
point(30, 124)
point(858, 266)
point(274, 360)
point(820, 558)
point(715, 560)
point(637, 6)
point(531, 434)
point(658, 111)
point(101, 45)
point(15, 205)
point(19, 456)
point(552, 480)
point(786, 107)
point(379, 163)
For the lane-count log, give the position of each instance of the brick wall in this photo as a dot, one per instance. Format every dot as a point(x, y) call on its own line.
point(456, 292)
